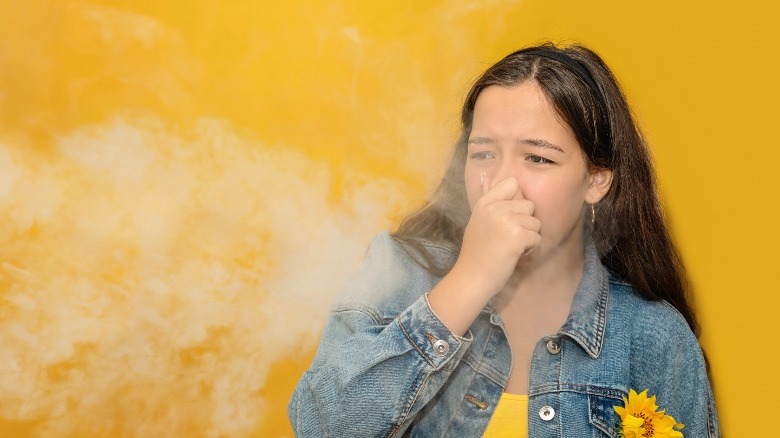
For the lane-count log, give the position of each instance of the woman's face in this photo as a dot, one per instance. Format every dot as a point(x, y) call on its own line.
point(517, 134)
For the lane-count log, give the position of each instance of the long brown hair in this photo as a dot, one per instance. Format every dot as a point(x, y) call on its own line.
point(629, 231)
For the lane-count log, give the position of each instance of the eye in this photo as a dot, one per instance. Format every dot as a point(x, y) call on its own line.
point(539, 160)
point(483, 155)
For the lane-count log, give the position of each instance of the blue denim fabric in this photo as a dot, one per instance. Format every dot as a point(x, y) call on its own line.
point(386, 366)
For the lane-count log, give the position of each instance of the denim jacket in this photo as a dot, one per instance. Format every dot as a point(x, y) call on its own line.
point(386, 366)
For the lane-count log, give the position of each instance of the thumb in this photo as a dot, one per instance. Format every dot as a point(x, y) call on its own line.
point(504, 190)
point(519, 193)
point(484, 182)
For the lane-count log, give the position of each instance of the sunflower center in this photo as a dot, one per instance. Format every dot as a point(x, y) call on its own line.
point(647, 426)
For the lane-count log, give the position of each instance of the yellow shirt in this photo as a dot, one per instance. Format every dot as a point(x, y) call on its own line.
point(510, 418)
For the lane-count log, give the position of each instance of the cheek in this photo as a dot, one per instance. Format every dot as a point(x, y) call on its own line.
point(473, 192)
point(473, 188)
point(555, 203)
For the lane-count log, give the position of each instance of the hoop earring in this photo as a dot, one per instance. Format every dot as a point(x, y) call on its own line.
point(593, 214)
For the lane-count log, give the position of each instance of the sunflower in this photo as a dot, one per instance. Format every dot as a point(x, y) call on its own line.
point(640, 418)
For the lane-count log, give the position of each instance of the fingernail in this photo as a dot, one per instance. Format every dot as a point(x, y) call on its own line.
point(481, 179)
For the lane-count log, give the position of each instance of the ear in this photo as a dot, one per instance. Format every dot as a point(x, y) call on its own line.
point(599, 182)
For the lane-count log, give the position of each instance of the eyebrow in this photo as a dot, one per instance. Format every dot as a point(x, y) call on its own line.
point(538, 142)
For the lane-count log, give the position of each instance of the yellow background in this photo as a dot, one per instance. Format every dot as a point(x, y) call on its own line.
point(185, 185)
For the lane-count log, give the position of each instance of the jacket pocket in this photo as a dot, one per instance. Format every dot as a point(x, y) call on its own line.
point(602, 414)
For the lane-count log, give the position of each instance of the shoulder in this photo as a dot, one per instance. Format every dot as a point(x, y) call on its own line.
point(403, 251)
point(663, 356)
point(655, 328)
point(392, 276)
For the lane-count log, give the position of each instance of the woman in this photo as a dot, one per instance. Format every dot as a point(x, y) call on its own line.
point(545, 235)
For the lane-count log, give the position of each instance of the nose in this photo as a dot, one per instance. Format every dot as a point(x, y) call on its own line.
point(503, 168)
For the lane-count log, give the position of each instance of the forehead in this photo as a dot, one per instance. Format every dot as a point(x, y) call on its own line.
point(520, 110)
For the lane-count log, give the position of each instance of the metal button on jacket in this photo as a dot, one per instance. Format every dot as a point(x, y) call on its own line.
point(554, 346)
point(441, 347)
point(547, 413)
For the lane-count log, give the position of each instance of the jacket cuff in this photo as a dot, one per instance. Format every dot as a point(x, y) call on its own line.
point(430, 337)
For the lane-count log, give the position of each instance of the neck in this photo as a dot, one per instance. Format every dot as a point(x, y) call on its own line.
point(546, 276)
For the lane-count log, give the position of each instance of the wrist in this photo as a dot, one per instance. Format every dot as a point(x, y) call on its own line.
point(457, 301)
point(475, 280)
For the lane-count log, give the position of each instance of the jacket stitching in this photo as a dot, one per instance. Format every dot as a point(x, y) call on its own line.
point(411, 398)
point(414, 344)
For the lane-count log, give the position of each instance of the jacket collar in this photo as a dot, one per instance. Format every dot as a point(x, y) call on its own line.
point(587, 318)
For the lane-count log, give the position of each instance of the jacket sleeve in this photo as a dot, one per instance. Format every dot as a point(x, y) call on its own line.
point(680, 377)
point(373, 371)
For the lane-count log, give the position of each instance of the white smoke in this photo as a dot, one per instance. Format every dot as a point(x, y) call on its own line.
point(151, 275)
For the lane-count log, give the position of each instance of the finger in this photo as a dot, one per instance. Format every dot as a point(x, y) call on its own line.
point(484, 182)
point(523, 224)
point(504, 190)
point(536, 239)
point(530, 223)
point(522, 207)
point(519, 194)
